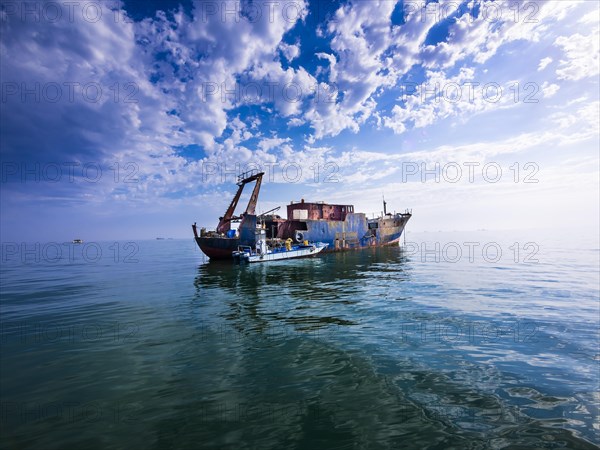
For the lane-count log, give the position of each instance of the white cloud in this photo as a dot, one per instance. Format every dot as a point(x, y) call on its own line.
point(295, 122)
point(286, 89)
point(332, 65)
point(586, 117)
point(441, 97)
point(93, 99)
point(481, 38)
point(360, 34)
point(544, 63)
point(290, 51)
point(370, 55)
point(581, 53)
point(578, 128)
point(267, 144)
point(549, 89)
point(592, 17)
point(198, 61)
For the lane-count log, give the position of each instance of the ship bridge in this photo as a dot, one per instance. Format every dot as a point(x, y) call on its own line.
point(317, 211)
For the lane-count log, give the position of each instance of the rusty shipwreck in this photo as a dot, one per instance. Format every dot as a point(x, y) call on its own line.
point(337, 225)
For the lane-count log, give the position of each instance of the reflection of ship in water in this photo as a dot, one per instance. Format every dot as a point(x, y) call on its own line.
point(291, 299)
point(266, 305)
point(339, 226)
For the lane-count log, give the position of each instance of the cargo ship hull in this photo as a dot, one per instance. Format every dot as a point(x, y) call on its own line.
point(218, 247)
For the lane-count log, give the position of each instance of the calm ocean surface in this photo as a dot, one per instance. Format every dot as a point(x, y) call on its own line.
point(148, 345)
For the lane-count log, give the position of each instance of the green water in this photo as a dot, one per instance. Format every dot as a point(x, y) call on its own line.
point(370, 349)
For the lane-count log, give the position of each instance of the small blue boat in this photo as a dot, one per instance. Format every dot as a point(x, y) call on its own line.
point(263, 253)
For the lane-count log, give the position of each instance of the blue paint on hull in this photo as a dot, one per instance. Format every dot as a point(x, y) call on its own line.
point(354, 232)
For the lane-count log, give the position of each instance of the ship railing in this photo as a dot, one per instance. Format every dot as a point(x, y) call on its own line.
point(245, 175)
point(379, 215)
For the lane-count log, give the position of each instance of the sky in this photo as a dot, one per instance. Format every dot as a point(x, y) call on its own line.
point(131, 119)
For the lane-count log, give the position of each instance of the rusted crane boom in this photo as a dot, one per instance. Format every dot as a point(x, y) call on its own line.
point(245, 178)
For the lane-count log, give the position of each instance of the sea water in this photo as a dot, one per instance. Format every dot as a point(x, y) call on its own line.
point(450, 340)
